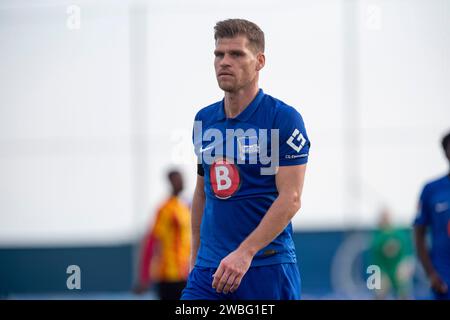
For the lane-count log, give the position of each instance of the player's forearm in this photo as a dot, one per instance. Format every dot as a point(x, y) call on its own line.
point(422, 251)
point(198, 204)
point(275, 220)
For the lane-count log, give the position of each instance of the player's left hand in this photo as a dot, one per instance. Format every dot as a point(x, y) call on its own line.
point(231, 270)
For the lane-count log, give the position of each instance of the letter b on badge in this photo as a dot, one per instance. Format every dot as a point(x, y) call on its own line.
point(225, 179)
point(222, 177)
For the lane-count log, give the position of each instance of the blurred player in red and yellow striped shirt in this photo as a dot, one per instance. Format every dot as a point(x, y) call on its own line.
point(166, 249)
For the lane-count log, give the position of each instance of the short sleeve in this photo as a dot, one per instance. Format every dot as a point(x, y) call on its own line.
point(294, 143)
point(197, 133)
point(197, 142)
point(423, 215)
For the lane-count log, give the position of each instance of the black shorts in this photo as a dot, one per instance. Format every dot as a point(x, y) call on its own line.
point(170, 290)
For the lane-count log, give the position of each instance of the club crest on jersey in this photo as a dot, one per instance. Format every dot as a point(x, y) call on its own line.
point(225, 178)
point(441, 207)
point(247, 145)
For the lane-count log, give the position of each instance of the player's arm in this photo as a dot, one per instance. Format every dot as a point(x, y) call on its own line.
point(148, 247)
point(289, 182)
point(422, 252)
point(421, 248)
point(198, 204)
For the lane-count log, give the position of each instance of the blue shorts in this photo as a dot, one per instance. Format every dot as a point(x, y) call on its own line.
point(272, 282)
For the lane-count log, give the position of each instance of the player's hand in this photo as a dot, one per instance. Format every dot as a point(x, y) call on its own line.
point(231, 270)
point(437, 284)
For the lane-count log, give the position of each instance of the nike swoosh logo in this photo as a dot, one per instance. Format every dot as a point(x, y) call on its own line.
point(204, 149)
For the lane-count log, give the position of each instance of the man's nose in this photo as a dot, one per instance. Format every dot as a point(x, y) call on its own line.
point(225, 61)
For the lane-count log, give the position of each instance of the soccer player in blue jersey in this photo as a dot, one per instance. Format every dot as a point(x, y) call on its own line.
point(434, 212)
point(252, 152)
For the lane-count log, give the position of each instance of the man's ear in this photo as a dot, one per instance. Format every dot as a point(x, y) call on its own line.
point(260, 61)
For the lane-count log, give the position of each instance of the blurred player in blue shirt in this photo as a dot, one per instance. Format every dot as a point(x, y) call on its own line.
point(252, 151)
point(434, 212)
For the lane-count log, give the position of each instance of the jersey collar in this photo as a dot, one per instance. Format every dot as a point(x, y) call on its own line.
point(246, 113)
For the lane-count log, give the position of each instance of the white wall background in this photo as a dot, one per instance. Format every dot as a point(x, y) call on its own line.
point(91, 118)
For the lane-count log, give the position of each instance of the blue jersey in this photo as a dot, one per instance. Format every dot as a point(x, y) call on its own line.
point(434, 211)
point(239, 157)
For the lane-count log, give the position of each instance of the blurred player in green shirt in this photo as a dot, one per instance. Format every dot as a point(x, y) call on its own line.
point(391, 251)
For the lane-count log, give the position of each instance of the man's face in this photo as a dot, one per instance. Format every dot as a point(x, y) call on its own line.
point(176, 180)
point(236, 64)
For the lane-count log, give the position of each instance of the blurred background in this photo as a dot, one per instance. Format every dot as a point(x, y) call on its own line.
point(97, 101)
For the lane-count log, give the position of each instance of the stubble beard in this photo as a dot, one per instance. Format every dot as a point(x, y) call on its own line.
point(227, 86)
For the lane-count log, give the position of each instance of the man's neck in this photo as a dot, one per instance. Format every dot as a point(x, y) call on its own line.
point(236, 102)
